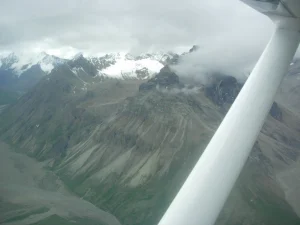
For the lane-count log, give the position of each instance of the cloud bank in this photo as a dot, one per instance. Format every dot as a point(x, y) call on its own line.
point(95, 26)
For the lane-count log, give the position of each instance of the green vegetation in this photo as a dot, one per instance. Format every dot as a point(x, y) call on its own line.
point(274, 210)
point(8, 97)
point(26, 214)
point(57, 220)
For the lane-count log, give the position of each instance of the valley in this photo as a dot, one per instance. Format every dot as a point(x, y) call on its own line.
point(121, 149)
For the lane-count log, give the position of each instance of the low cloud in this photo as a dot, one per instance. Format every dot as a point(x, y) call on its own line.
point(233, 54)
point(174, 91)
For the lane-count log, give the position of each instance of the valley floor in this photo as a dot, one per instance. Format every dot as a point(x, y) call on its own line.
point(29, 194)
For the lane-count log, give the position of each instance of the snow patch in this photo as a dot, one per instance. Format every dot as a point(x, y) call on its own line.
point(47, 68)
point(128, 67)
point(75, 70)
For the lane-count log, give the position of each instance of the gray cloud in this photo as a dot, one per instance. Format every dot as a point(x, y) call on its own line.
point(231, 54)
point(136, 25)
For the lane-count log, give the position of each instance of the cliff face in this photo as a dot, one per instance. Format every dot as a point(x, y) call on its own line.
point(128, 147)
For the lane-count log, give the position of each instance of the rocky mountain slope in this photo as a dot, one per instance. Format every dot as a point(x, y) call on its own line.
point(8, 97)
point(128, 145)
point(288, 94)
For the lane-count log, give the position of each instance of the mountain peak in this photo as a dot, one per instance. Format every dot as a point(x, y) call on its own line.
point(194, 48)
point(44, 54)
point(7, 60)
point(78, 56)
point(20, 63)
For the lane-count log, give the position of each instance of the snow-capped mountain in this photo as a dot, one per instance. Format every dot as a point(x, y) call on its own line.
point(122, 65)
point(21, 63)
point(116, 65)
point(19, 72)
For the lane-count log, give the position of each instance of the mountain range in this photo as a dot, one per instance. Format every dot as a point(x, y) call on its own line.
point(123, 136)
point(21, 72)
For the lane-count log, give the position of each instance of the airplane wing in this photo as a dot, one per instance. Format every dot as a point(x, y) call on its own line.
point(286, 8)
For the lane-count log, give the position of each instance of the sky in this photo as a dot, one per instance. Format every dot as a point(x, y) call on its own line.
point(65, 27)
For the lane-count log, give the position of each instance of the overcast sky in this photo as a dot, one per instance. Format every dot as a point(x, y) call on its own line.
point(63, 27)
